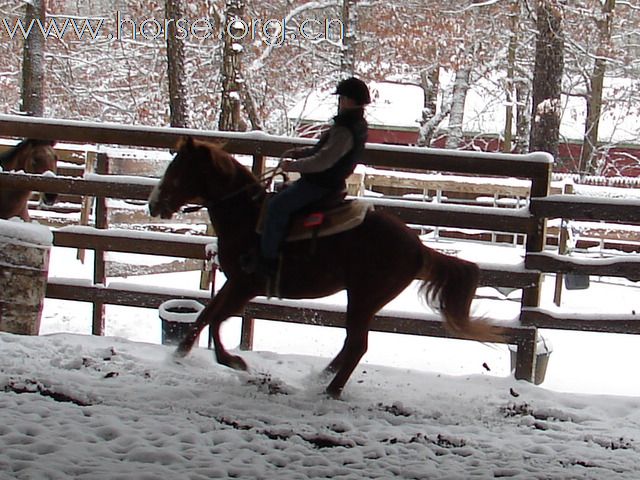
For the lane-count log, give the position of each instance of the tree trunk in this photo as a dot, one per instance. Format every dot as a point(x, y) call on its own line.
point(547, 78)
point(430, 82)
point(456, 116)
point(521, 85)
point(33, 61)
point(230, 116)
point(588, 160)
point(348, 51)
point(523, 116)
point(175, 67)
point(509, 95)
point(250, 107)
point(509, 87)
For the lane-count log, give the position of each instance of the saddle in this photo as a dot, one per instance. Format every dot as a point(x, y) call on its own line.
point(330, 216)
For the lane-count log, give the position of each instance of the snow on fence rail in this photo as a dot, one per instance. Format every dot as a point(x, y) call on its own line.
point(531, 221)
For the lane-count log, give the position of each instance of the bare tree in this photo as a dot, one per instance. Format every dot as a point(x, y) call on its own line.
point(178, 112)
point(234, 32)
point(547, 77)
point(456, 116)
point(517, 85)
point(509, 86)
point(595, 88)
point(523, 116)
point(430, 83)
point(348, 51)
point(33, 60)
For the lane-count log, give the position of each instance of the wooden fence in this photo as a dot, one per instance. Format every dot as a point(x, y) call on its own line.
point(531, 221)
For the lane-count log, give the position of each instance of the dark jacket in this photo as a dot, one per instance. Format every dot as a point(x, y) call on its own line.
point(333, 174)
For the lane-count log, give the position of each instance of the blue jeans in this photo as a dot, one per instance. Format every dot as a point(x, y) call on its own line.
point(281, 207)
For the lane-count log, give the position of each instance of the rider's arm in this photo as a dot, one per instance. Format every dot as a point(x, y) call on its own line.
point(340, 141)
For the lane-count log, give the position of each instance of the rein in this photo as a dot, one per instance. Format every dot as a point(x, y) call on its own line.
point(263, 182)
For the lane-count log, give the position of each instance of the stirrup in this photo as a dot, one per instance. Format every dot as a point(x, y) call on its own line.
point(253, 263)
point(272, 274)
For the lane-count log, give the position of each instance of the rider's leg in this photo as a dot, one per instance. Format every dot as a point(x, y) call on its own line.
point(281, 207)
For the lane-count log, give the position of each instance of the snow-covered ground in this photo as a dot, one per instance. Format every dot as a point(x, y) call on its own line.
point(78, 406)
point(108, 408)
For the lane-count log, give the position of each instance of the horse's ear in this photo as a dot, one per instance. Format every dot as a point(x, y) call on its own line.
point(186, 142)
point(37, 142)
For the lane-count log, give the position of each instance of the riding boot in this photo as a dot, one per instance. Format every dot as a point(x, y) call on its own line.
point(254, 262)
point(268, 268)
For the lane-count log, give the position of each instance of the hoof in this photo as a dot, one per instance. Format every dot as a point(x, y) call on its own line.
point(328, 371)
point(181, 352)
point(333, 393)
point(235, 362)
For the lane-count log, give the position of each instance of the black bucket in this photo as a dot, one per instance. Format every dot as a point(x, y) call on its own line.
point(177, 317)
point(576, 281)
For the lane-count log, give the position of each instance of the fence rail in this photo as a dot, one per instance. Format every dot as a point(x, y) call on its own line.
point(531, 221)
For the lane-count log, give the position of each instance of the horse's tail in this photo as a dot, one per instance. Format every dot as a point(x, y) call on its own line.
point(449, 285)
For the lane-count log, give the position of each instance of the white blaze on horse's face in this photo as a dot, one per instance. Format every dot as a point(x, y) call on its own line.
point(179, 185)
point(166, 198)
point(156, 205)
point(153, 200)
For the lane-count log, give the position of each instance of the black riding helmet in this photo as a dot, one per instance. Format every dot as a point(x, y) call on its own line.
point(355, 89)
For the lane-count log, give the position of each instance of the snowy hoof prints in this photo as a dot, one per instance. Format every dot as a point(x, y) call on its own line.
point(265, 383)
point(97, 408)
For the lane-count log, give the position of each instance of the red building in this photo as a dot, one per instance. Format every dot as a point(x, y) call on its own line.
point(394, 117)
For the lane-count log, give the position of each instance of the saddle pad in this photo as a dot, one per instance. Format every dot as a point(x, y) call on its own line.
point(336, 220)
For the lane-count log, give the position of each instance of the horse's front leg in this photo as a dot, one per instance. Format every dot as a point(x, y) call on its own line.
point(230, 300)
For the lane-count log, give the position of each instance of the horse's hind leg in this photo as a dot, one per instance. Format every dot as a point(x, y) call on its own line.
point(364, 302)
point(230, 300)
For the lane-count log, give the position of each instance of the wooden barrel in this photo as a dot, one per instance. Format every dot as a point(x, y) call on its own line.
point(24, 264)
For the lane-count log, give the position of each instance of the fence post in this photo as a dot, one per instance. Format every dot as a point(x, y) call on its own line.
point(526, 356)
point(246, 333)
point(208, 276)
point(248, 323)
point(536, 239)
point(87, 201)
point(99, 267)
point(562, 250)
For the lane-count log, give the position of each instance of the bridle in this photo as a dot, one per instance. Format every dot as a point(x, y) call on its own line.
point(264, 181)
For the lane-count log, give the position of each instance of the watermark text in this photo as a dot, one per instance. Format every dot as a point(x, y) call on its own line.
point(273, 31)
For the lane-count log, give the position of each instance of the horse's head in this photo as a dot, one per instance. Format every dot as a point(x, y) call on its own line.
point(36, 156)
point(200, 172)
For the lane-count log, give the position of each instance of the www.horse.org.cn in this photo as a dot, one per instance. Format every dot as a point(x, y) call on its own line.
point(272, 31)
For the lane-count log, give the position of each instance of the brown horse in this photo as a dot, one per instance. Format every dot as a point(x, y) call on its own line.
point(373, 262)
point(29, 156)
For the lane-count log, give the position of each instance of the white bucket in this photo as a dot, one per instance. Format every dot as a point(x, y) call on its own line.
point(177, 316)
point(24, 265)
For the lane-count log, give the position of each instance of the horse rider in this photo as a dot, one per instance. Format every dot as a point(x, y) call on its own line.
point(323, 170)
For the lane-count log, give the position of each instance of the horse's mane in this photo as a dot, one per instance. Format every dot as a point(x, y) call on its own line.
point(12, 152)
point(223, 161)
